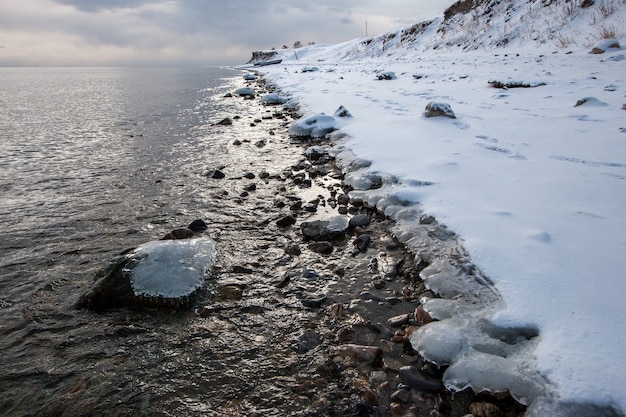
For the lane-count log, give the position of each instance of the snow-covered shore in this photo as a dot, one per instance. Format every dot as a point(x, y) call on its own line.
point(530, 179)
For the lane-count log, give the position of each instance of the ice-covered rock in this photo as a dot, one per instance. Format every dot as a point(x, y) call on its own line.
point(315, 126)
point(325, 229)
point(158, 273)
point(170, 268)
point(249, 77)
point(310, 69)
point(590, 101)
point(245, 91)
point(273, 99)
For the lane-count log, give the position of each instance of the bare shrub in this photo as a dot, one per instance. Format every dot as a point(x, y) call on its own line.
point(608, 32)
point(606, 8)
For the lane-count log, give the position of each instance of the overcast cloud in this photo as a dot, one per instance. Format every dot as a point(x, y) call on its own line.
point(187, 32)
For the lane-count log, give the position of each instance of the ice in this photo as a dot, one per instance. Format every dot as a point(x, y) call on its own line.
point(249, 77)
point(273, 99)
point(170, 268)
point(316, 126)
point(245, 91)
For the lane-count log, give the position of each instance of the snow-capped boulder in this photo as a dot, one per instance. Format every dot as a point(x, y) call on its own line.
point(315, 126)
point(342, 112)
point(604, 45)
point(164, 273)
point(439, 110)
point(590, 102)
point(249, 77)
point(310, 69)
point(273, 99)
point(387, 75)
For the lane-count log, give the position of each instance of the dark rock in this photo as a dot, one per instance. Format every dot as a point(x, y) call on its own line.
point(238, 269)
point(362, 242)
point(293, 250)
point(237, 142)
point(197, 226)
point(342, 112)
point(323, 247)
point(399, 321)
point(343, 199)
point(313, 301)
point(359, 220)
point(249, 175)
point(325, 229)
point(296, 206)
point(250, 187)
point(308, 341)
point(216, 174)
point(401, 395)
point(230, 292)
point(178, 234)
point(286, 221)
point(439, 110)
point(371, 355)
point(484, 409)
point(414, 378)
point(225, 122)
point(421, 316)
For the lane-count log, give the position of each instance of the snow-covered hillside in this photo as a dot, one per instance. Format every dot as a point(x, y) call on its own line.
point(532, 181)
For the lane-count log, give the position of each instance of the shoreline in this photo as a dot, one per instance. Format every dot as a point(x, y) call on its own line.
point(362, 339)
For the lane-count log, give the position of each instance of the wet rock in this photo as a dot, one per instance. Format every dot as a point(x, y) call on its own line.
point(250, 187)
point(484, 409)
point(249, 175)
point(323, 247)
point(198, 226)
point(297, 206)
point(293, 250)
point(314, 301)
point(399, 321)
point(362, 242)
point(346, 335)
point(230, 292)
point(401, 395)
point(238, 269)
point(178, 234)
point(216, 174)
point(359, 220)
point(225, 122)
point(421, 316)
point(286, 221)
point(414, 378)
point(308, 341)
point(343, 199)
point(325, 229)
point(371, 355)
point(434, 109)
point(237, 142)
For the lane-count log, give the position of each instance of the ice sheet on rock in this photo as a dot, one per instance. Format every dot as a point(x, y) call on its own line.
point(170, 268)
point(316, 126)
point(273, 99)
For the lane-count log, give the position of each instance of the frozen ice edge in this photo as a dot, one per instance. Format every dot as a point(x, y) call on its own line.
point(479, 354)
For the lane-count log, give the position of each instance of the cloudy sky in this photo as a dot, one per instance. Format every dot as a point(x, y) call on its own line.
point(187, 32)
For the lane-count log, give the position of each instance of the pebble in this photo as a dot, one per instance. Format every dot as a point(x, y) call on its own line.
point(359, 220)
point(362, 242)
point(286, 221)
point(323, 247)
point(414, 378)
point(198, 226)
point(399, 321)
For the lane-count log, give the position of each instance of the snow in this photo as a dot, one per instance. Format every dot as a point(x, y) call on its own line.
point(532, 185)
point(170, 268)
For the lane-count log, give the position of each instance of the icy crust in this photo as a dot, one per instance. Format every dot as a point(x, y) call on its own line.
point(170, 268)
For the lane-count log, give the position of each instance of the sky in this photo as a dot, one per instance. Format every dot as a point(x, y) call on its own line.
point(187, 32)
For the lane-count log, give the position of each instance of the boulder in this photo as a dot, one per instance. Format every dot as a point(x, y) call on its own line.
point(387, 75)
point(434, 109)
point(163, 273)
point(325, 229)
point(245, 91)
point(315, 126)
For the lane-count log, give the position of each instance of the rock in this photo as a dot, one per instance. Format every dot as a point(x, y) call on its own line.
point(439, 110)
point(293, 250)
point(371, 355)
point(343, 199)
point(387, 75)
point(237, 142)
point(605, 44)
point(197, 226)
point(313, 301)
point(362, 242)
point(342, 112)
point(399, 321)
point(590, 101)
point(308, 341)
point(230, 292)
point(323, 247)
point(414, 378)
point(401, 395)
point(225, 122)
point(249, 175)
point(250, 187)
point(325, 229)
point(421, 316)
point(485, 410)
point(178, 234)
point(315, 126)
point(286, 221)
point(297, 206)
point(163, 273)
point(238, 269)
point(216, 174)
point(272, 99)
point(245, 91)
point(359, 220)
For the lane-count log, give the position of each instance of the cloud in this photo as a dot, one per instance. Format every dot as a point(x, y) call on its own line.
point(186, 32)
